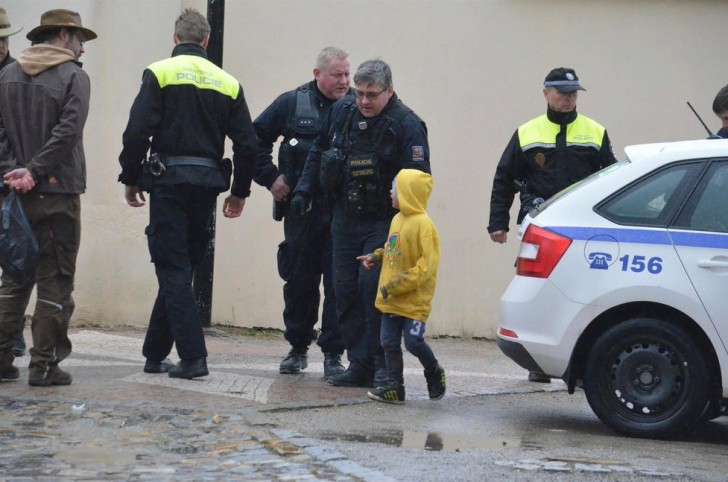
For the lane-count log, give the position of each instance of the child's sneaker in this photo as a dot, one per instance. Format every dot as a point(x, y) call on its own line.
point(436, 383)
point(388, 394)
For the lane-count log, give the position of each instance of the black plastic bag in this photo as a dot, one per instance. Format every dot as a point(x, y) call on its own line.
point(18, 246)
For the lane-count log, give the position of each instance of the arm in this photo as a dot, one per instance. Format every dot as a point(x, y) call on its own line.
point(413, 144)
point(245, 147)
point(69, 129)
point(144, 117)
point(269, 126)
point(606, 153)
point(503, 192)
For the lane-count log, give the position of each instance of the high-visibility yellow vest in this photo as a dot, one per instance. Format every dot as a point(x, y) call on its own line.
point(541, 132)
point(197, 71)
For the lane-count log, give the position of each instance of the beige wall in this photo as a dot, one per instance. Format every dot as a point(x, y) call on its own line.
point(473, 70)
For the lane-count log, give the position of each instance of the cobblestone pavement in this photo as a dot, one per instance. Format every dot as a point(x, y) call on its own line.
point(117, 423)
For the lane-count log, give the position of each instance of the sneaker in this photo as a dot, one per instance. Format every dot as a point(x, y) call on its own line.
point(332, 365)
point(436, 383)
point(294, 362)
point(11, 373)
point(538, 377)
point(390, 394)
point(54, 376)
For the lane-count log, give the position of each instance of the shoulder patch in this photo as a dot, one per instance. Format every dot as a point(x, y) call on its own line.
point(418, 153)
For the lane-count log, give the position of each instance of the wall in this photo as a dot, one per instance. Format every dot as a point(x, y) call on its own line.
point(473, 70)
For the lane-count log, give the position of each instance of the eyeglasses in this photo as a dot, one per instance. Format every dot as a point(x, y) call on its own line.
point(369, 95)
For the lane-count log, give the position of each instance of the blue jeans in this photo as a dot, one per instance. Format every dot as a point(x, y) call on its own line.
point(356, 288)
point(393, 328)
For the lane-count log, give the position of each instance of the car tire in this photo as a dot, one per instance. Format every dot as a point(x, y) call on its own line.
point(647, 378)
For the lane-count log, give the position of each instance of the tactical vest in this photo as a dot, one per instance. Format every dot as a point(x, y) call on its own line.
point(369, 164)
point(304, 123)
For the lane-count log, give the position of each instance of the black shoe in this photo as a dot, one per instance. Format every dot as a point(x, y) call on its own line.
point(158, 366)
point(332, 365)
point(189, 369)
point(294, 362)
point(350, 378)
point(18, 348)
point(54, 376)
point(436, 383)
point(11, 373)
point(389, 394)
point(538, 377)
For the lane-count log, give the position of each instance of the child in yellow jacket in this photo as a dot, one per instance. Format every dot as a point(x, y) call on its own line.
point(407, 281)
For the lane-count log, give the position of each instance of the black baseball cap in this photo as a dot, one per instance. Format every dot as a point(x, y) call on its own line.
point(564, 79)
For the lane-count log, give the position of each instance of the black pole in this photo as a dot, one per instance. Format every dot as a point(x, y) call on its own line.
point(203, 276)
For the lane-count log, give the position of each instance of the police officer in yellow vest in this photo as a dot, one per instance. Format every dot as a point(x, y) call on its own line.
point(546, 155)
point(185, 108)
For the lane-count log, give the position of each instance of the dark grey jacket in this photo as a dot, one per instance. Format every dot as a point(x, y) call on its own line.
point(44, 102)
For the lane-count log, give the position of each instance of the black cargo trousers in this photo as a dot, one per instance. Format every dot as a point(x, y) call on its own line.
point(177, 235)
point(304, 260)
point(56, 223)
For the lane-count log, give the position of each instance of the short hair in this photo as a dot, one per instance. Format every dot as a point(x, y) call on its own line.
point(374, 72)
point(327, 54)
point(191, 26)
point(47, 36)
point(720, 103)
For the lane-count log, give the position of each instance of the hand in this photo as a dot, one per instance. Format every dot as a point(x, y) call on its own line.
point(134, 196)
point(300, 204)
point(367, 260)
point(499, 236)
point(20, 180)
point(233, 206)
point(280, 189)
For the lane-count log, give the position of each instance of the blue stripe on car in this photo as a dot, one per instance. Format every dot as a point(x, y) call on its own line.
point(646, 236)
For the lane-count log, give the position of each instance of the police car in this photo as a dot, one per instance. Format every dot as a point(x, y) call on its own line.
point(621, 288)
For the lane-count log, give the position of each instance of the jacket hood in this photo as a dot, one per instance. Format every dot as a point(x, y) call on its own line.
point(413, 191)
point(41, 57)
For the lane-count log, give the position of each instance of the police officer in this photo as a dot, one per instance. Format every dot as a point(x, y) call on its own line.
point(367, 139)
point(187, 105)
point(304, 257)
point(546, 155)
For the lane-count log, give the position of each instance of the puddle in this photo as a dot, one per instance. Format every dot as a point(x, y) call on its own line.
point(424, 440)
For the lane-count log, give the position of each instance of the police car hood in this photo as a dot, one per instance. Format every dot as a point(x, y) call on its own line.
point(413, 191)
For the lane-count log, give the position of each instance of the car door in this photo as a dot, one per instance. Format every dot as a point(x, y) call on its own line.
point(700, 237)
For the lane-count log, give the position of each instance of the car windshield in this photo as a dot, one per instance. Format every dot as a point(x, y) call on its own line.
point(582, 183)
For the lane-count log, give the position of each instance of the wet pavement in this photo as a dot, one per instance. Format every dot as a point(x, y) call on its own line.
point(117, 423)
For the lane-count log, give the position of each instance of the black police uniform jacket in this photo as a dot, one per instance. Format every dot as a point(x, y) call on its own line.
point(403, 145)
point(187, 106)
point(280, 119)
point(549, 153)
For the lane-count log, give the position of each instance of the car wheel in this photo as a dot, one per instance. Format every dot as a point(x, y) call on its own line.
point(647, 378)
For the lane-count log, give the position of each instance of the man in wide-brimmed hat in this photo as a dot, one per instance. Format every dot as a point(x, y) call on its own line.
point(44, 100)
point(6, 30)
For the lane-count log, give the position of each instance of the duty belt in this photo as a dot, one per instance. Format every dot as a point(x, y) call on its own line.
point(191, 161)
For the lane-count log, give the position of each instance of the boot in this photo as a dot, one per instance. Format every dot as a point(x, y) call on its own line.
point(190, 369)
point(295, 361)
point(332, 365)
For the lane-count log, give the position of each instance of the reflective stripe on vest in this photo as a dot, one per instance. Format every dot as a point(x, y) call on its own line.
point(541, 132)
point(197, 71)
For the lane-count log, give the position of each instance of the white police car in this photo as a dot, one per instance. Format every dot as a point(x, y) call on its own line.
point(622, 288)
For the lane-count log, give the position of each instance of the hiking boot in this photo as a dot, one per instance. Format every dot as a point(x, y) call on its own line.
point(163, 366)
point(189, 369)
point(538, 377)
point(332, 365)
point(351, 378)
point(54, 376)
point(389, 394)
point(436, 383)
point(294, 362)
point(18, 347)
point(10, 373)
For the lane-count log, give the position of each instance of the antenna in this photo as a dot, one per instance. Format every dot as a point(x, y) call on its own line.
point(710, 134)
